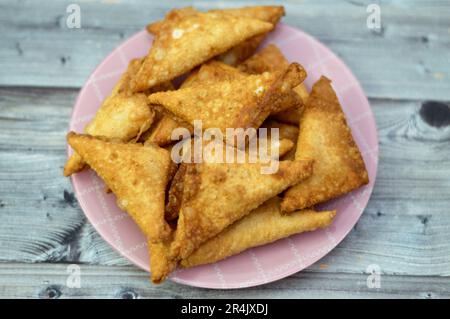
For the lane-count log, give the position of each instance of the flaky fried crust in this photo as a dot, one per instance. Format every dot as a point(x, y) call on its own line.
point(173, 16)
point(239, 103)
point(210, 72)
point(213, 72)
point(286, 131)
point(190, 41)
point(161, 133)
point(123, 85)
point(216, 195)
point(270, 14)
point(292, 115)
point(302, 91)
point(263, 225)
point(270, 59)
point(175, 193)
point(160, 264)
point(122, 117)
point(241, 51)
point(325, 136)
point(136, 174)
point(282, 99)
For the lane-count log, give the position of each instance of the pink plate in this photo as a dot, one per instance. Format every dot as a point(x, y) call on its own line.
point(259, 265)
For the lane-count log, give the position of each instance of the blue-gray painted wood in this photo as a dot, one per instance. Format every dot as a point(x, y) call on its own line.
point(409, 58)
point(404, 229)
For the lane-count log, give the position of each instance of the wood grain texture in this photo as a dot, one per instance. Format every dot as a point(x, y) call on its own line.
point(49, 281)
point(404, 229)
point(408, 58)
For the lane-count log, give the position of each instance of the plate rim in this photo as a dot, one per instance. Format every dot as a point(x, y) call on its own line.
point(290, 271)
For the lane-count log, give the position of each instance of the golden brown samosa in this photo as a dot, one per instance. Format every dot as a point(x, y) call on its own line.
point(214, 195)
point(212, 71)
point(160, 264)
point(209, 73)
point(270, 59)
point(161, 133)
point(191, 40)
point(241, 51)
point(286, 132)
point(325, 137)
point(245, 49)
point(170, 18)
point(275, 150)
point(239, 103)
point(123, 115)
point(136, 174)
point(263, 225)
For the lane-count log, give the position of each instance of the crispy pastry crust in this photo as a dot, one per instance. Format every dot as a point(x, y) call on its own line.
point(136, 174)
point(190, 41)
point(216, 195)
point(270, 59)
point(263, 225)
point(325, 136)
point(241, 51)
point(239, 103)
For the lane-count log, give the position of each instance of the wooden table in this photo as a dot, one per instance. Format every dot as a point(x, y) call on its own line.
point(405, 230)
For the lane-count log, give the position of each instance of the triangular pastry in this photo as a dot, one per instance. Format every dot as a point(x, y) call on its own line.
point(239, 103)
point(261, 226)
point(136, 174)
point(214, 195)
point(191, 40)
point(325, 137)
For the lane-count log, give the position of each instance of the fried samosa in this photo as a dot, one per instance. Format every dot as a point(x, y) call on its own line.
point(209, 72)
point(160, 264)
point(214, 195)
point(274, 150)
point(240, 52)
point(191, 40)
point(240, 103)
point(263, 225)
point(270, 59)
point(136, 174)
point(325, 137)
point(286, 132)
point(122, 116)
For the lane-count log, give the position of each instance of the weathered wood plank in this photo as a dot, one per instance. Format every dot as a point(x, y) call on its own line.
point(403, 230)
point(49, 281)
point(409, 58)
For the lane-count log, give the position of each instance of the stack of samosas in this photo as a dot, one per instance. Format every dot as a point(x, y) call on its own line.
point(195, 213)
